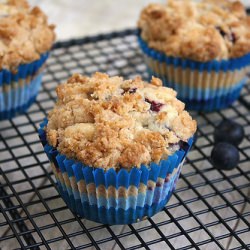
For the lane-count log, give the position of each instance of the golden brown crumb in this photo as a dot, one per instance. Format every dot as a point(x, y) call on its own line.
point(201, 31)
point(24, 34)
point(109, 122)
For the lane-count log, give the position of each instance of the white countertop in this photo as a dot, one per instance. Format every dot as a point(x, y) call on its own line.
point(83, 17)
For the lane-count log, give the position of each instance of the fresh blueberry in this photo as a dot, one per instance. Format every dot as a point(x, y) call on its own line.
point(225, 156)
point(229, 131)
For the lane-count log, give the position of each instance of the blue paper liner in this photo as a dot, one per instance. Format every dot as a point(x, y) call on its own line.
point(19, 90)
point(112, 197)
point(202, 86)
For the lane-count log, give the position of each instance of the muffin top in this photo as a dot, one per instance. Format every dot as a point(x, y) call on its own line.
point(24, 34)
point(108, 122)
point(201, 31)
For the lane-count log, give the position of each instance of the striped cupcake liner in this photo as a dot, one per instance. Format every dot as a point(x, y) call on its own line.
point(202, 86)
point(18, 91)
point(112, 197)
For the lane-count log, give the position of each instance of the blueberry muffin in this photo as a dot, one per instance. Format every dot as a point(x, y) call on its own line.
point(116, 146)
point(25, 41)
point(201, 49)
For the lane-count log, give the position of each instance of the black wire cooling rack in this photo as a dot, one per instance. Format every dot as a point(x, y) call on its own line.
point(209, 210)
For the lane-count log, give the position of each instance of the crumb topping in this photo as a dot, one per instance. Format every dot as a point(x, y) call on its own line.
point(24, 34)
point(110, 122)
point(201, 31)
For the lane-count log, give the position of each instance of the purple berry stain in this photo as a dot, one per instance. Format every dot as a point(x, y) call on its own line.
point(167, 179)
point(158, 184)
point(183, 145)
point(155, 106)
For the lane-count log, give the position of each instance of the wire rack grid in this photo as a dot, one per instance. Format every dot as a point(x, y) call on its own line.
point(210, 208)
